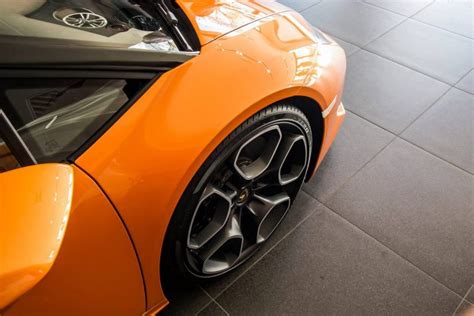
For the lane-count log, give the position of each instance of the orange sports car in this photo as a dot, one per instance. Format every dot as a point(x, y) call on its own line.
point(145, 140)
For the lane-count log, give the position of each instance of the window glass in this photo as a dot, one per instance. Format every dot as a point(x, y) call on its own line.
point(54, 117)
point(133, 24)
point(7, 160)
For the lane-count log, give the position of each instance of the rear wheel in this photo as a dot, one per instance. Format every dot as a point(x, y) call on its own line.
point(240, 195)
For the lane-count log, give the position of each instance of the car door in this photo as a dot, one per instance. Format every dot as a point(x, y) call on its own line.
point(68, 71)
point(63, 247)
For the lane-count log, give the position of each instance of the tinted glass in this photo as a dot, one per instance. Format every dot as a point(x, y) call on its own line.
point(133, 24)
point(7, 160)
point(54, 117)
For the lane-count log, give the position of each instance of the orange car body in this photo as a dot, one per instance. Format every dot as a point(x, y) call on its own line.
point(128, 183)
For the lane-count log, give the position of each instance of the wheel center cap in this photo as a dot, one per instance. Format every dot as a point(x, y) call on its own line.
point(243, 196)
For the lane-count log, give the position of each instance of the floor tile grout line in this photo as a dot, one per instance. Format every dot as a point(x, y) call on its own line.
point(358, 170)
point(408, 141)
point(358, 49)
point(365, 164)
point(471, 93)
point(334, 37)
point(462, 78)
point(463, 300)
point(467, 294)
point(392, 250)
point(385, 9)
point(269, 250)
point(217, 303)
point(392, 11)
point(387, 31)
point(367, 49)
point(435, 155)
point(212, 301)
point(436, 101)
point(441, 28)
point(426, 110)
point(396, 25)
point(369, 121)
point(312, 5)
point(412, 17)
point(204, 307)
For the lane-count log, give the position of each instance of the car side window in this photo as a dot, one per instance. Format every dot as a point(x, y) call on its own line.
point(7, 160)
point(55, 117)
point(130, 24)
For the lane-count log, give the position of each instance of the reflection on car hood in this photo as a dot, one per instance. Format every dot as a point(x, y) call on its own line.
point(214, 18)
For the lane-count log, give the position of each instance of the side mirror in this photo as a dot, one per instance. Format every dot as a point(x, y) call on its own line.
point(34, 210)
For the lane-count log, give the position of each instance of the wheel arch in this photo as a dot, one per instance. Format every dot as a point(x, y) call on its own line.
point(307, 105)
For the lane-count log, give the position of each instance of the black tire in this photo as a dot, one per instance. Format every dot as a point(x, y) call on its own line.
point(177, 258)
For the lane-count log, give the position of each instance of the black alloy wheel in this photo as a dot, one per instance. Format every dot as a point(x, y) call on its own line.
point(240, 195)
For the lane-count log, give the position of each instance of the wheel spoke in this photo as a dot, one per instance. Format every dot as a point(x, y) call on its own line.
point(290, 160)
point(210, 216)
point(224, 249)
point(266, 213)
point(255, 155)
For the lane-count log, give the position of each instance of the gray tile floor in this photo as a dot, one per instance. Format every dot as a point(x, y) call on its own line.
point(387, 224)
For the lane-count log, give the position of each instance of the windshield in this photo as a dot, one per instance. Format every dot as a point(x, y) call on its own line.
point(132, 24)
